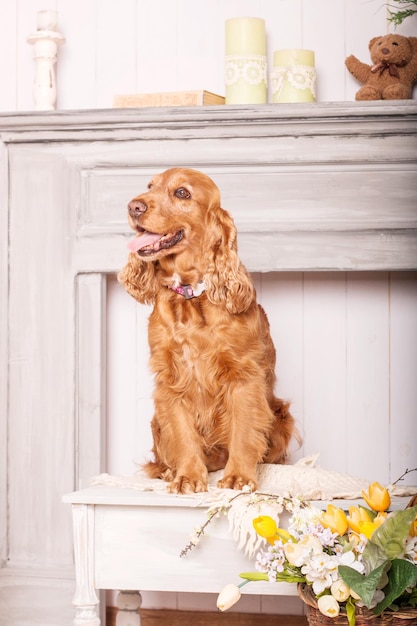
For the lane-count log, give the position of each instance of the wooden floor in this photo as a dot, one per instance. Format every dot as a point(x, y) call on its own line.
point(164, 617)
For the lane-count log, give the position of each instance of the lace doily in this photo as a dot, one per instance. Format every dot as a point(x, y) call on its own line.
point(249, 68)
point(298, 76)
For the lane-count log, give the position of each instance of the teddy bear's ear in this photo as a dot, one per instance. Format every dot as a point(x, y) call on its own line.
point(373, 40)
point(412, 65)
point(413, 44)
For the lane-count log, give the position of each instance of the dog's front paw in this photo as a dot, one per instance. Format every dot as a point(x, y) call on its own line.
point(237, 482)
point(184, 484)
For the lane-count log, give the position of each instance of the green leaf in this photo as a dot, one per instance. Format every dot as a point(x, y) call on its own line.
point(373, 556)
point(254, 576)
point(350, 611)
point(364, 586)
point(287, 577)
point(390, 536)
point(402, 574)
point(281, 577)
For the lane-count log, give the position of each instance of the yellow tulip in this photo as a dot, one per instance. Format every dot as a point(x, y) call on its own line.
point(368, 528)
point(265, 526)
point(357, 516)
point(377, 497)
point(335, 519)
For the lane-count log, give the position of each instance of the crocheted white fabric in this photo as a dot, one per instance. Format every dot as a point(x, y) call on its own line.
point(304, 479)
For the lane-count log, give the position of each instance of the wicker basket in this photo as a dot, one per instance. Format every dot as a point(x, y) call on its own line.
point(364, 617)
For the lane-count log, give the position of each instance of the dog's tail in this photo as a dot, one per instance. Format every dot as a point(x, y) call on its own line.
point(282, 432)
point(157, 469)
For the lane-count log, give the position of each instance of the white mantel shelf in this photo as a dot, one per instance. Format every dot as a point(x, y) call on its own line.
point(368, 118)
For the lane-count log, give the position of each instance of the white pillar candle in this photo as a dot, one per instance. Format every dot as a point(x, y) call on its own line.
point(293, 78)
point(47, 20)
point(245, 64)
point(45, 46)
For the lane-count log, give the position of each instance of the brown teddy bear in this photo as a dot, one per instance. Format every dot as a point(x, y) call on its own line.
point(393, 72)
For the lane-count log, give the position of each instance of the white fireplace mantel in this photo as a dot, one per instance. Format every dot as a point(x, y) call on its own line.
point(311, 187)
point(325, 186)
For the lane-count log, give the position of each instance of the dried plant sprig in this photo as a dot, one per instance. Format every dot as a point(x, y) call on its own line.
point(255, 497)
point(407, 471)
point(211, 514)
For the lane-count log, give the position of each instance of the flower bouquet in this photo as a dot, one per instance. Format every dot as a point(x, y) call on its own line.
point(351, 568)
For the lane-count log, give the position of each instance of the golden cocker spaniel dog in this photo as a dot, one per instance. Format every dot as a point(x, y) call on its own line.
point(211, 350)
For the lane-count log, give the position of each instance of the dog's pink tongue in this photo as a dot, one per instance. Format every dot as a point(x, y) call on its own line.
point(142, 240)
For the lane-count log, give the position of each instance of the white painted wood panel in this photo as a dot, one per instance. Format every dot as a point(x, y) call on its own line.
point(157, 54)
point(324, 366)
point(117, 40)
point(76, 68)
point(4, 365)
point(21, 62)
point(40, 413)
point(367, 363)
point(325, 37)
point(282, 299)
point(403, 374)
point(90, 373)
point(8, 57)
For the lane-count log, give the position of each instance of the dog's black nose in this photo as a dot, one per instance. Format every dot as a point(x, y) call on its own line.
point(136, 208)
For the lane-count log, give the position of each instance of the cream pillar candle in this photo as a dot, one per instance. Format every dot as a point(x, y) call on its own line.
point(245, 64)
point(45, 46)
point(46, 20)
point(293, 78)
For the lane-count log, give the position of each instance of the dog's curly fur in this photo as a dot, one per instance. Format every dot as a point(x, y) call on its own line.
point(212, 355)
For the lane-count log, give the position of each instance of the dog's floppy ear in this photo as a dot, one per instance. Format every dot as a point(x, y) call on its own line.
point(139, 278)
point(227, 281)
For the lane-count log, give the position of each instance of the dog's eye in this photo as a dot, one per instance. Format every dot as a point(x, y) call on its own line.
point(150, 185)
point(394, 43)
point(182, 193)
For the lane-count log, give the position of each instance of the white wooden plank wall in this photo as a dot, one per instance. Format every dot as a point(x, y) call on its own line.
point(115, 47)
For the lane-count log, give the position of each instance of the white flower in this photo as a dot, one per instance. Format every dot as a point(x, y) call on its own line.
point(321, 571)
point(229, 595)
point(410, 551)
point(349, 558)
point(299, 553)
point(328, 606)
point(271, 561)
point(376, 599)
point(340, 590)
point(303, 520)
